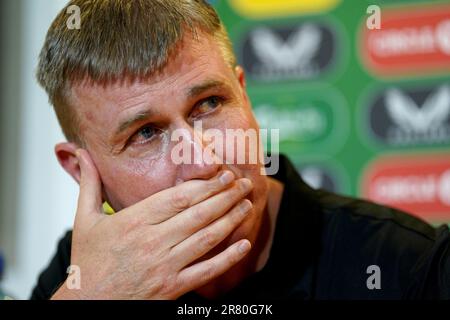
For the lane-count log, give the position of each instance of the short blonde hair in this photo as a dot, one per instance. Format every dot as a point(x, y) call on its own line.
point(118, 38)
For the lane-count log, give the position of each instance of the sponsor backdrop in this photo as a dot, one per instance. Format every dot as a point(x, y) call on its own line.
point(363, 108)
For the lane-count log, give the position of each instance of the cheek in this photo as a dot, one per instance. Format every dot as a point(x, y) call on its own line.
point(127, 182)
point(244, 119)
point(239, 135)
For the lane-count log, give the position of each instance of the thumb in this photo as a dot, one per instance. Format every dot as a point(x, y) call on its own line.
point(90, 197)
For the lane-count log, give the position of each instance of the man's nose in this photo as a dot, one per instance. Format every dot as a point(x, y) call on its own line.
point(203, 162)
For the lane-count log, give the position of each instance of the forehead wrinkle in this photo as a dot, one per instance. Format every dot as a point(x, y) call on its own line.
point(177, 79)
point(158, 87)
point(132, 96)
point(169, 77)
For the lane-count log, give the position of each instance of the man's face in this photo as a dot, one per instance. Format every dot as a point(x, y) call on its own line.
point(127, 126)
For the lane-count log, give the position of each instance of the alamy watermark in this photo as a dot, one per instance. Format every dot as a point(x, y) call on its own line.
point(231, 146)
point(74, 20)
point(374, 20)
point(374, 280)
point(73, 281)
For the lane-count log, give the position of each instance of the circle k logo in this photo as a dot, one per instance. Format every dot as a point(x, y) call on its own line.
point(412, 40)
point(417, 184)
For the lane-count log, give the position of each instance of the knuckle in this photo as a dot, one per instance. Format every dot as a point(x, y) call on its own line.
point(199, 214)
point(213, 185)
point(208, 270)
point(151, 247)
point(208, 239)
point(180, 200)
point(169, 286)
point(239, 188)
point(209, 188)
point(130, 223)
point(158, 285)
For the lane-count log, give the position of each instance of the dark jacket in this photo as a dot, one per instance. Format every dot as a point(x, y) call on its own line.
point(328, 246)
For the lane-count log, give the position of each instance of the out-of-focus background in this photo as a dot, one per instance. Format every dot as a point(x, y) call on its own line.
point(37, 198)
point(360, 91)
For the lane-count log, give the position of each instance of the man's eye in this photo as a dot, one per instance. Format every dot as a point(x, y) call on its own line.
point(144, 135)
point(207, 105)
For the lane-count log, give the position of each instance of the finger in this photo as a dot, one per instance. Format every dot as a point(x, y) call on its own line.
point(90, 197)
point(201, 273)
point(204, 240)
point(169, 202)
point(197, 217)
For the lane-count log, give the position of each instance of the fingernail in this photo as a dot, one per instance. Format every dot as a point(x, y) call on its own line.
point(226, 177)
point(244, 247)
point(246, 184)
point(245, 206)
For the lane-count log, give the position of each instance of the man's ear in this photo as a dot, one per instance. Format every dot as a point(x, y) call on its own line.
point(65, 153)
point(240, 74)
point(67, 158)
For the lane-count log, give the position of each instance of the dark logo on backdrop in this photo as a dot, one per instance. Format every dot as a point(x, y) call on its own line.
point(411, 117)
point(303, 51)
point(319, 178)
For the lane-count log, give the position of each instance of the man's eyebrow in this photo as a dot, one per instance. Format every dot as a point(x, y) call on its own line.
point(191, 92)
point(199, 89)
point(131, 121)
